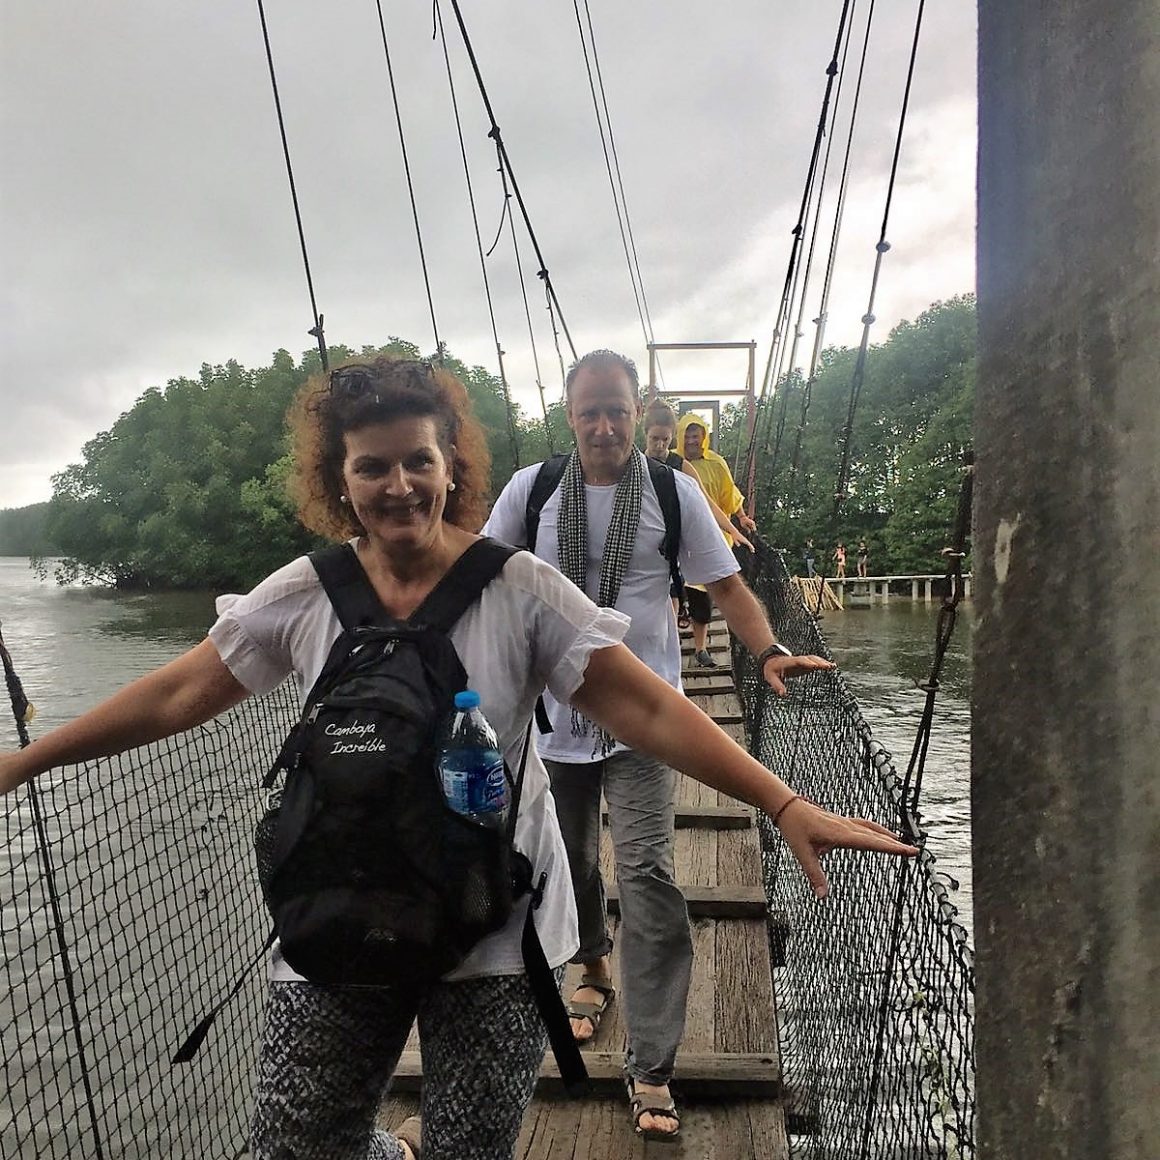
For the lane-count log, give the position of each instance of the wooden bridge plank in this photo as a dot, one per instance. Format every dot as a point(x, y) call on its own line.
point(695, 857)
point(693, 795)
point(702, 1074)
point(767, 1130)
point(708, 816)
point(737, 901)
point(599, 1128)
point(746, 1015)
point(738, 857)
point(701, 1010)
point(717, 684)
point(729, 719)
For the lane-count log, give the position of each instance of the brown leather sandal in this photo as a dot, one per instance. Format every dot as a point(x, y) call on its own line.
point(592, 1011)
point(640, 1104)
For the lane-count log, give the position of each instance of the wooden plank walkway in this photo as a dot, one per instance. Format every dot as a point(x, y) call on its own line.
point(728, 1083)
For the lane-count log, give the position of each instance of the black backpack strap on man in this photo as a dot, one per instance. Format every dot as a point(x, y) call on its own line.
point(548, 479)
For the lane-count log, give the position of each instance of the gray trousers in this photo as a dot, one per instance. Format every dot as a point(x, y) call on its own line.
point(656, 948)
point(328, 1054)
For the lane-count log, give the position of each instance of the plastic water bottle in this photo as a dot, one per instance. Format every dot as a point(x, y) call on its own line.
point(471, 766)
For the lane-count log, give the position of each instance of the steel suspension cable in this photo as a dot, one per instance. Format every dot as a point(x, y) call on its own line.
point(782, 347)
point(513, 435)
point(796, 232)
point(880, 250)
point(944, 630)
point(616, 183)
point(505, 161)
point(807, 270)
point(316, 331)
point(410, 183)
point(828, 280)
point(527, 305)
point(775, 431)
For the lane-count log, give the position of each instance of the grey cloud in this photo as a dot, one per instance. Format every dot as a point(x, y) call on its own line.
point(147, 226)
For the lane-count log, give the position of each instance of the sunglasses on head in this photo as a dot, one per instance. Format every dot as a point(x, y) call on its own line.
point(357, 380)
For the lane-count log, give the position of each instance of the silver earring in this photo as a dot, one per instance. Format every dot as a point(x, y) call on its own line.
point(451, 486)
point(343, 499)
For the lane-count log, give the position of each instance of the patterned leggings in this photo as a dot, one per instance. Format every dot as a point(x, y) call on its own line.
point(328, 1054)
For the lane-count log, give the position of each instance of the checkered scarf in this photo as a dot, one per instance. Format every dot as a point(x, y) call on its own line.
point(572, 544)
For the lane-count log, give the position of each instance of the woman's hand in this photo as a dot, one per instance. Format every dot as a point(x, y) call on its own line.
point(739, 541)
point(811, 832)
point(778, 669)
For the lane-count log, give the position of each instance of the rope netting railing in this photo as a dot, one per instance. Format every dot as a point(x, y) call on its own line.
point(876, 997)
point(129, 906)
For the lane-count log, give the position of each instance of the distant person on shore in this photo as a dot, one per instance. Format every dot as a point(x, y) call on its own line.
point(840, 561)
point(808, 557)
point(863, 559)
point(717, 480)
point(603, 528)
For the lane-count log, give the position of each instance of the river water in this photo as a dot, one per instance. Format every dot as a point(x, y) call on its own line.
point(883, 652)
point(177, 833)
point(74, 645)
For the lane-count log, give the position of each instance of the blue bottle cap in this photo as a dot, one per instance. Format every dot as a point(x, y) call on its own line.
point(468, 699)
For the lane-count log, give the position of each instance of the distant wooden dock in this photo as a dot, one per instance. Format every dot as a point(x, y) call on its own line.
point(862, 591)
point(728, 1085)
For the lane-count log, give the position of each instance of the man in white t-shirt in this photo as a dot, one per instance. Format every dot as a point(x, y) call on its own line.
point(603, 528)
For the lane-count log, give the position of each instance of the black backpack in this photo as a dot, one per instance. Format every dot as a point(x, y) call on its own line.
point(370, 877)
point(548, 479)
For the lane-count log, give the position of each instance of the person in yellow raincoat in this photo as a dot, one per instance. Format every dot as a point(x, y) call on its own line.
point(717, 480)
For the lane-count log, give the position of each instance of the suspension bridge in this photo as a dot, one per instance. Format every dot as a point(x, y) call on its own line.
point(129, 897)
point(843, 1030)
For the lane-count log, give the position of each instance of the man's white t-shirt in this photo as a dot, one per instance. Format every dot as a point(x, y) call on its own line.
point(644, 594)
point(530, 629)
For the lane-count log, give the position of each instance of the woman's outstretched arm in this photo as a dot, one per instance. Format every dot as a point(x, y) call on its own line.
point(639, 709)
point(186, 692)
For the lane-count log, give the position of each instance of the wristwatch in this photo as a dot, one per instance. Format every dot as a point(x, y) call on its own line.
point(777, 649)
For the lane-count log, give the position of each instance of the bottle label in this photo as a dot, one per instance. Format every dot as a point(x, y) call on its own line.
point(474, 781)
point(490, 788)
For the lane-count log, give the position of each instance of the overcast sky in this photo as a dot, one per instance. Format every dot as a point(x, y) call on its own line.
point(147, 225)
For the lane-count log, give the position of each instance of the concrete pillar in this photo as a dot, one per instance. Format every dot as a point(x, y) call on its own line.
point(1066, 714)
point(913, 589)
point(926, 591)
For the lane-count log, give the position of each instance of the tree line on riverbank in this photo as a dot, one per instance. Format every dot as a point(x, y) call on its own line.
point(187, 488)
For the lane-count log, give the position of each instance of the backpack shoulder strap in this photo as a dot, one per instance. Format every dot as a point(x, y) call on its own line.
point(348, 587)
point(546, 481)
point(666, 489)
point(462, 584)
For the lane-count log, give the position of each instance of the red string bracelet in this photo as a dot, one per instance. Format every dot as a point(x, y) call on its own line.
point(797, 797)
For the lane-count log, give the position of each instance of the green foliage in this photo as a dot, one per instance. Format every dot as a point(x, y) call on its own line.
point(176, 493)
point(187, 489)
point(911, 427)
point(23, 533)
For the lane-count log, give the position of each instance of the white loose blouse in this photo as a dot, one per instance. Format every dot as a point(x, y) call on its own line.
point(531, 629)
